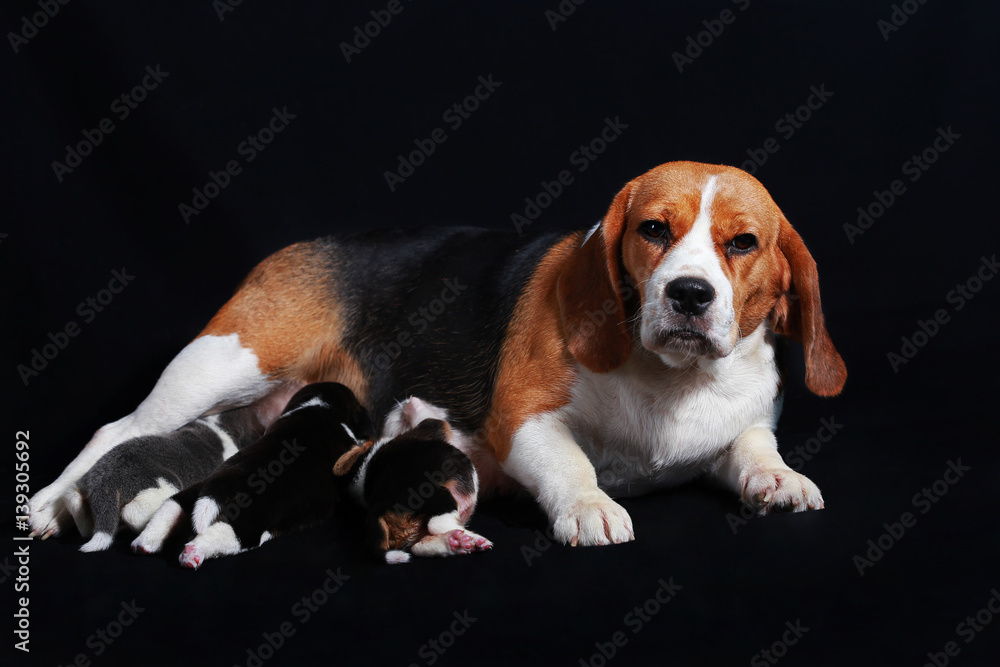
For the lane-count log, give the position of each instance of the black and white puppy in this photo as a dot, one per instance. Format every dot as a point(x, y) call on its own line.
point(280, 484)
point(130, 482)
point(419, 488)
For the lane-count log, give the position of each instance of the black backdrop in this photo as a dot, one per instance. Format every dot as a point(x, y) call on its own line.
point(892, 78)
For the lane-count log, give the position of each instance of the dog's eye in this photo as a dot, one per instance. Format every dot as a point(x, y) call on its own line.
point(742, 244)
point(654, 230)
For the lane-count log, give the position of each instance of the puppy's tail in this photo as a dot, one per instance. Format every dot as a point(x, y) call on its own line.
point(105, 508)
point(396, 556)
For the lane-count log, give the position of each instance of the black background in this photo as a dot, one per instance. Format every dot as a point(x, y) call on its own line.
point(324, 173)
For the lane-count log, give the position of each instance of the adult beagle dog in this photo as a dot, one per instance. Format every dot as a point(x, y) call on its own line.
point(586, 364)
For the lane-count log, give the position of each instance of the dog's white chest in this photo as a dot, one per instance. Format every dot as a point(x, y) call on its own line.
point(645, 425)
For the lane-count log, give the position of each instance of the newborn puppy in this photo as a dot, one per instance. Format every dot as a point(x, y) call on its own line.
point(419, 488)
point(131, 481)
point(280, 484)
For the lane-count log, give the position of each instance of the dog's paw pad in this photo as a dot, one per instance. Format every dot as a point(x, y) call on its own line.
point(460, 542)
point(191, 557)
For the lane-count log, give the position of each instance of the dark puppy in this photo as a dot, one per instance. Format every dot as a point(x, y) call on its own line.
point(130, 482)
point(419, 488)
point(280, 484)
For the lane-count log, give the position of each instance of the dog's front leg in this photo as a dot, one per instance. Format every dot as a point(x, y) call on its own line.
point(752, 467)
point(546, 459)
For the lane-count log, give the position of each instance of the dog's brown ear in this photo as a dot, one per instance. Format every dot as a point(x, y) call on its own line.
point(347, 459)
point(590, 294)
point(798, 315)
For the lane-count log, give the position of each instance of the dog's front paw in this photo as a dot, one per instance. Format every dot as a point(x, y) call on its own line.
point(592, 519)
point(47, 511)
point(781, 490)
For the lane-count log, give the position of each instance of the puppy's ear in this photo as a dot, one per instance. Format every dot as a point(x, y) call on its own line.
point(798, 314)
point(348, 458)
point(590, 294)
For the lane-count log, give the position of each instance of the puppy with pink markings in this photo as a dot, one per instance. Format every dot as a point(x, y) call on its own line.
point(419, 488)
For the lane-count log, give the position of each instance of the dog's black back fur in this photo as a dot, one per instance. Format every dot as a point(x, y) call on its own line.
point(392, 286)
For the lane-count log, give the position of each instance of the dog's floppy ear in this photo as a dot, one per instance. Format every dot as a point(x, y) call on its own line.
point(590, 294)
point(348, 458)
point(798, 315)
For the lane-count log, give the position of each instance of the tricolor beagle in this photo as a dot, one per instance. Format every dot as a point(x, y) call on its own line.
point(583, 364)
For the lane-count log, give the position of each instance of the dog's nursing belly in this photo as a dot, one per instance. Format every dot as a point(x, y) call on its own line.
point(646, 426)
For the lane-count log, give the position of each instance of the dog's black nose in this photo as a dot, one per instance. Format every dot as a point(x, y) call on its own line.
point(690, 296)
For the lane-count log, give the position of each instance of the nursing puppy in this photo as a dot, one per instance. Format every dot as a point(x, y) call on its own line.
point(280, 484)
point(419, 488)
point(130, 482)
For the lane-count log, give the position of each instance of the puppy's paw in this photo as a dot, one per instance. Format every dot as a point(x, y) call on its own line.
point(592, 519)
point(460, 542)
point(219, 540)
point(781, 490)
point(192, 556)
point(479, 543)
point(163, 521)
